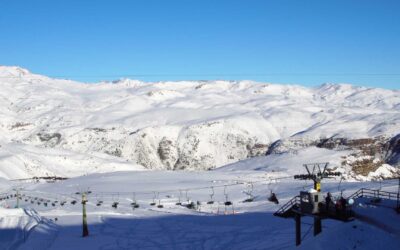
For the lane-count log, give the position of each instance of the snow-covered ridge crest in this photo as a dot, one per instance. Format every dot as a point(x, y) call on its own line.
point(174, 125)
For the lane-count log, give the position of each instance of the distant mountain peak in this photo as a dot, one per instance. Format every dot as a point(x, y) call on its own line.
point(13, 71)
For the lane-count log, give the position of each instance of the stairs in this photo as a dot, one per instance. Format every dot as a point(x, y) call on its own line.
point(286, 210)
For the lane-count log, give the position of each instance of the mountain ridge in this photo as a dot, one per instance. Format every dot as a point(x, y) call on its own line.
point(193, 125)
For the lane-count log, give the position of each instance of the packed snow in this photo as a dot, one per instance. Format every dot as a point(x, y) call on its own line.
point(243, 225)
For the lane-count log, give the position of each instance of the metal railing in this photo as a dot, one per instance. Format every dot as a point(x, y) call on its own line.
point(288, 206)
point(374, 193)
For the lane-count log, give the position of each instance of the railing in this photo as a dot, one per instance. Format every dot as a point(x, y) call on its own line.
point(288, 205)
point(374, 193)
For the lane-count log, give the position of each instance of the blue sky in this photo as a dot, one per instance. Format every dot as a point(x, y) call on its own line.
point(304, 42)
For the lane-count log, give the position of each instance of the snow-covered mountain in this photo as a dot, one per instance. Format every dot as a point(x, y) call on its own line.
point(66, 128)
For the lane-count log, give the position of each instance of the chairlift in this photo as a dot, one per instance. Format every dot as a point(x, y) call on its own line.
point(179, 203)
point(154, 199)
point(99, 201)
point(186, 195)
point(272, 196)
point(227, 201)
point(159, 201)
point(134, 204)
point(249, 193)
point(115, 205)
point(211, 201)
point(191, 205)
point(115, 201)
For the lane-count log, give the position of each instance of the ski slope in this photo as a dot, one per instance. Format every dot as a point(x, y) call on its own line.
point(250, 226)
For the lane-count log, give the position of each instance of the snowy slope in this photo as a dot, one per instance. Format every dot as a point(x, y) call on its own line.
point(49, 125)
point(252, 226)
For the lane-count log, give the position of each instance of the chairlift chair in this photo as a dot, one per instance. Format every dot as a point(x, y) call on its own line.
point(191, 205)
point(115, 205)
point(211, 201)
point(134, 204)
point(99, 201)
point(159, 201)
point(272, 198)
point(115, 201)
point(227, 201)
point(249, 193)
point(179, 203)
point(153, 203)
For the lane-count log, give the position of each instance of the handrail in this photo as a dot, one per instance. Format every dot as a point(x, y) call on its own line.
point(363, 192)
point(374, 193)
point(294, 201)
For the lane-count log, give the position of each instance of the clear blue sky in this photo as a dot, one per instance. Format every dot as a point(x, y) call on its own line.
point(305, 42)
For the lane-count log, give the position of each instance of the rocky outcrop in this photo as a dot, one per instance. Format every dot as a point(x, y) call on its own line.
point(392, 149)
point(49, 139)
point(366, 155)
point(168, 153)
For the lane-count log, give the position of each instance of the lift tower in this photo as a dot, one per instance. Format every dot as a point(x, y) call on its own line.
point(315, 172)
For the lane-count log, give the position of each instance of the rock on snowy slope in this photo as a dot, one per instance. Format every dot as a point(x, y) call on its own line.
point(184, 125)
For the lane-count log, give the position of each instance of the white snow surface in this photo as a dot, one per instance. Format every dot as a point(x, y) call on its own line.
point(251, 226)
point(66, 128)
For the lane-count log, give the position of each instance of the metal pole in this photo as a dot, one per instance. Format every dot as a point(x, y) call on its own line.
point(298, 229)
point(317, 226)
point(398, 198)
point(85, 230)
point(17, 198)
